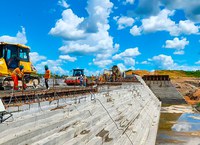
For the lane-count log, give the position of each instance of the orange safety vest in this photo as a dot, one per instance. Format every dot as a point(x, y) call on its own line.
point(47, 74)
point(17, 72)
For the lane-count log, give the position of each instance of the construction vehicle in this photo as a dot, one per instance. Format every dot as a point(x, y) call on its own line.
point(116, 74)
point(107, 75)
point(112, 75)
point(11, 57)
point(75, 78)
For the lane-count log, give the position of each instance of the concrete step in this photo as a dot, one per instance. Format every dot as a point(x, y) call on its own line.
point(95, 141)
point(93, 130)
point(92, 121)
point(24, 135)
point(133, 129)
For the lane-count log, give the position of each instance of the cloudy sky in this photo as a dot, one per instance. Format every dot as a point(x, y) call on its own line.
point(96, 34)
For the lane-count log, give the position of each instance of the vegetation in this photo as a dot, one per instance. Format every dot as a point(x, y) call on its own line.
point(198, 104)
point(193, 73)
point(172, 73)
point(179, 73)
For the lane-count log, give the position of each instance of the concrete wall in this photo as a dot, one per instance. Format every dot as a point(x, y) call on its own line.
point(166, 92)
point(127, 115)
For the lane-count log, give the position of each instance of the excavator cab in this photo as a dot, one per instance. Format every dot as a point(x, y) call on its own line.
point(11, 57)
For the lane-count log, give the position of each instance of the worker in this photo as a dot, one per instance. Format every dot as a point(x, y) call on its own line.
point(81, 80)
point(84, 80)
point(47, 76)
point(16, 75)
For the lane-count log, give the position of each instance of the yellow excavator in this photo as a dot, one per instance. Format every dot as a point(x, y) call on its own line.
point(11, 57)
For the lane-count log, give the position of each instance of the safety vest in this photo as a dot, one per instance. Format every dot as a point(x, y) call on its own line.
point(17, 72)
point(47, 74)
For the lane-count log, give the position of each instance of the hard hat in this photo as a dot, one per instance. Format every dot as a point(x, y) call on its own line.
point(46, 67)
point(21, 67)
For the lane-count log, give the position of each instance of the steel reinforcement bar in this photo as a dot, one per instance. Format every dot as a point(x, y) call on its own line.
point(18, 98)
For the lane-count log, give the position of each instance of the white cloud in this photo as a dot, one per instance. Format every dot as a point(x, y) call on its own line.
point(163, 62)
point(130, 52)
point(124, 22)
point(99, 12)
point(145, 62)
point(166, 62)
point(198, 62)
point(19, 38)
point(77, 48)
point(177, 44)
point(135, 31)
point(127, 56)
point(129, 1)
point(190, 8)
point(89, 35)
point(67, 26)
point(122, 67)
point(63, 3)
point(102, 63)
point(68, 58)
point(35, 57)
point(162, 22)
point(55, 66)
point(129, 61)
point(94, 73)
point(188, 27)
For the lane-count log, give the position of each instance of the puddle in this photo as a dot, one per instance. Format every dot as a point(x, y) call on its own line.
point(179, 129)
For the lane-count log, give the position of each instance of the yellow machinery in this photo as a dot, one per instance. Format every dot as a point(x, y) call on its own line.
point(11, 57)
point(113, 75)
point(116, 73)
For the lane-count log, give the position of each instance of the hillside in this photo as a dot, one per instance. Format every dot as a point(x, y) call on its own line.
point(173, 74)
point(186, 82)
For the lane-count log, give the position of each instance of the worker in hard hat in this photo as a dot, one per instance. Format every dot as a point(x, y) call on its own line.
point(16, 75)
point(47, 75)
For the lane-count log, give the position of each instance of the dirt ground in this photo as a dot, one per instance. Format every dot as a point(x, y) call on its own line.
point(189, 88)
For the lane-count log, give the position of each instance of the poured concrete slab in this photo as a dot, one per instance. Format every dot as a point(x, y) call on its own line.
point(128, 114)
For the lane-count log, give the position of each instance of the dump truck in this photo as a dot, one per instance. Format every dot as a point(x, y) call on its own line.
point(11, 57)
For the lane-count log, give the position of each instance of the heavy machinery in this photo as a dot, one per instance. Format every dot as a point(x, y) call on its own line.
point(116, 74)
point(11, 57)
point(75, 78)
point(112, 75)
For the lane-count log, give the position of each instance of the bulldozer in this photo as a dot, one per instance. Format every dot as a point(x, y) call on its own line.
point(11, 57)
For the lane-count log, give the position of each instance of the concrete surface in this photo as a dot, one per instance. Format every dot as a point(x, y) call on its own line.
point(128, 114)
point(166, 92)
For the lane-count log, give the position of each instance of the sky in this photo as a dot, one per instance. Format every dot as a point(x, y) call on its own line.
point(97, 34)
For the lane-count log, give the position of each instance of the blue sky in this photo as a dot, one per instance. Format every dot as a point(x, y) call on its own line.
point(96, 34)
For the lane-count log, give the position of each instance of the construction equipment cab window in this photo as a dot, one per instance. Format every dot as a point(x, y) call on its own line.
point(23, 54)
point(13, 54)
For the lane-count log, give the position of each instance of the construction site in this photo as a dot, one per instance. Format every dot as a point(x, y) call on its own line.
point(112, 108)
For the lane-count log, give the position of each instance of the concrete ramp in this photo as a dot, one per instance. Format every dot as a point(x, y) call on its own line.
point(127, 114)
point(164, 89)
